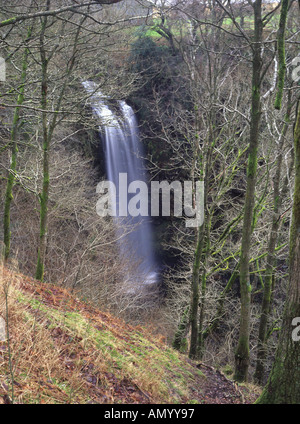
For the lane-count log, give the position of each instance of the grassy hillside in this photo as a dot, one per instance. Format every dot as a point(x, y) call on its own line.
point(63, 350)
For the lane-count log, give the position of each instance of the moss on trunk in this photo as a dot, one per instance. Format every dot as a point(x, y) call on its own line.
point(242, 350)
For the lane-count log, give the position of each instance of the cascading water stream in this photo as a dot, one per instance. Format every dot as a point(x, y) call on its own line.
point(123, 155)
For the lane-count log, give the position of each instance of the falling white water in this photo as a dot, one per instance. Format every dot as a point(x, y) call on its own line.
point(123, 154)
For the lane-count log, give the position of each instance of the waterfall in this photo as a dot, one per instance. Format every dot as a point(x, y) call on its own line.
point(123, 154)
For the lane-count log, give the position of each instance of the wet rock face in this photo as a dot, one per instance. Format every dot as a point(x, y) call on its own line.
point(2, 330)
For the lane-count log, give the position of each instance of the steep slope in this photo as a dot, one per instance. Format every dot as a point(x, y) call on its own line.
point(63, 350)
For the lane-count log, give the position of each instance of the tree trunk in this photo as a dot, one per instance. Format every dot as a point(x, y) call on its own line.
point(242, 351)
point(265, 310)
point(14, 153)
point(44, 196)
point(281, 53)
point(195, 294)
point(283, 386)
point(48, 130)
point(201, 339)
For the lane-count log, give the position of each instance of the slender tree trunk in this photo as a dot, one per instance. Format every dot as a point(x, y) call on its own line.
point(44, 196)
point(194, 307)
point(201, 339)
point(195, 294)
point(281, 52)
point(202, 316)
point(242, 351)
point(48, 130)
point(283, 386)
point(265, 310)
point(14, 153)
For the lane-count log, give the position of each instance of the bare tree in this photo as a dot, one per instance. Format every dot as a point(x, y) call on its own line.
point(283, 383)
